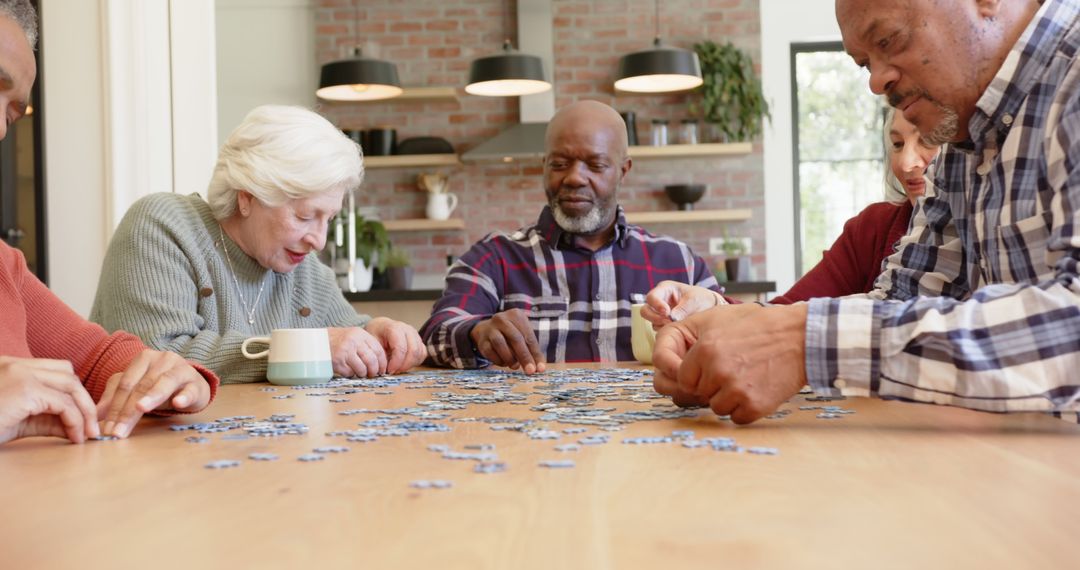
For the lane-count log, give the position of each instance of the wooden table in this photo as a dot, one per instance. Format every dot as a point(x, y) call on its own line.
point(894, 485)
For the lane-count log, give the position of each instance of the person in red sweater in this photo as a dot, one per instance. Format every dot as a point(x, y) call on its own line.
point(53, 363)
point(854, 261)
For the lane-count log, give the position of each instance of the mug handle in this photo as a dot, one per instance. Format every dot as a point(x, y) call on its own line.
point(262, 339)
point(453, 202)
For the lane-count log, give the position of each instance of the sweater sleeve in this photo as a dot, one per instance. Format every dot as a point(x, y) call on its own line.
point(55, 331)
point(851, 263)
point(149, 286)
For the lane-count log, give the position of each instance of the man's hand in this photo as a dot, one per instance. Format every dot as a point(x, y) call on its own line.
point(155, 380)
point(507, 339)
point(356, 353)
point(39, 396)
point(740, 360)
point(400, 341)
point(672, 301)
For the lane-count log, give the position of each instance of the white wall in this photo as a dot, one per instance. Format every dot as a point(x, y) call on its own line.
point(130, 109)
point(784, 22)
point(74, 147)
point(265, 54)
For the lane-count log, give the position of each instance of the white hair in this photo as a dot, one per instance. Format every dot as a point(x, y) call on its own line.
point(280, 152)
point(22, 13)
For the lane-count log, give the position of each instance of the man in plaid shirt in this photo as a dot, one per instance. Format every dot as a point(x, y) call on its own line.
point(560, 290)
point(980, 305)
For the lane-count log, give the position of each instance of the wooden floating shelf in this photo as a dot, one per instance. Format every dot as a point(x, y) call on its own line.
point(427, 94)
point(680, 216)
point(406, 160)
point(423, 225)
point(677, 150)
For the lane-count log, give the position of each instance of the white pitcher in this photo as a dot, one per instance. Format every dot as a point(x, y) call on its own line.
point(441, 205)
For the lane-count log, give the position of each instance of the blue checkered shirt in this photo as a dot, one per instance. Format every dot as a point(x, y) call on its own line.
point(980, 305)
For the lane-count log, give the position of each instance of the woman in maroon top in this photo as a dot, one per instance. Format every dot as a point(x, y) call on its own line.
point(854, 261)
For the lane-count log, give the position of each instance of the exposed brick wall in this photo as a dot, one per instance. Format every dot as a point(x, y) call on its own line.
point(433, 41)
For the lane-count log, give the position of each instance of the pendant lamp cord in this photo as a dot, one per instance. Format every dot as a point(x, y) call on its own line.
point(656, 20)
point(507, 44)
point(357, 52)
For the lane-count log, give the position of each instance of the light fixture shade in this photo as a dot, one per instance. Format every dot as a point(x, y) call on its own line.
point(358, 79)
point(507, 74)
point(660, 69)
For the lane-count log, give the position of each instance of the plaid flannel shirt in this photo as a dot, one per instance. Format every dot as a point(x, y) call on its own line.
point(980, 305)
point(578, 301)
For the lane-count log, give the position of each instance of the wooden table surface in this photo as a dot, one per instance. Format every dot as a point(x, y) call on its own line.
point(894, 485)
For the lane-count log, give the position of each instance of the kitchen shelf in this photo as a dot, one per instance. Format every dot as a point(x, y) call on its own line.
point(681, 216)
point(427, 94)
point(677, 150)
point(423, 225)
point(406, 160)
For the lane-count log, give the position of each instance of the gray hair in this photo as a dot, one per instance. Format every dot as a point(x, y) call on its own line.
point(894, 189)
point(23, 14)
point(280, 152)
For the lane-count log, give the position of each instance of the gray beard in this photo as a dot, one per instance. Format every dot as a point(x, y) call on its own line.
point(946, 129)
point(590, 223)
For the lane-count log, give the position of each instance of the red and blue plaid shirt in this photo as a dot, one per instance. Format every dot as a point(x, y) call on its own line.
point(578, 300)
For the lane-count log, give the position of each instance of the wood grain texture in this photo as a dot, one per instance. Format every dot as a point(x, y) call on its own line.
point(894, 485)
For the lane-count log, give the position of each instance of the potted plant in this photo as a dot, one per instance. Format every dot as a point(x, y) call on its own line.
point(736, 264)
point(399, 268)
point(731, 99)
point(373, 249)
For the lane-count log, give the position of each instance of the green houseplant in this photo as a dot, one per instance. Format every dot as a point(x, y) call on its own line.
point(731, 98)
point(736, 264)
point(399, 268)
point(372, 243)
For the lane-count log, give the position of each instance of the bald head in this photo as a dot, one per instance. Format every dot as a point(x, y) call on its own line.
point(589, 120)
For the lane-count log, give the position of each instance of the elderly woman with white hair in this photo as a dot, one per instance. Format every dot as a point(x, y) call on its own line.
point(199, 277)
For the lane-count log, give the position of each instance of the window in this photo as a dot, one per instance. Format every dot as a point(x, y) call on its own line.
point(839, 159)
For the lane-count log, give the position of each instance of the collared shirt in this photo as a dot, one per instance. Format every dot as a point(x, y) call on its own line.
point(980, 305)
point(578, 300)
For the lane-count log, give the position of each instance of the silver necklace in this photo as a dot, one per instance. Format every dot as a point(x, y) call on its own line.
point(232, 272)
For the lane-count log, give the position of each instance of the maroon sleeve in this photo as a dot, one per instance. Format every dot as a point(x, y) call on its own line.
point(854, 260)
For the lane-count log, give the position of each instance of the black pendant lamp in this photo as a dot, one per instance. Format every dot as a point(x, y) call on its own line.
point(508, 74)
point(358, 78)
point(661, 69)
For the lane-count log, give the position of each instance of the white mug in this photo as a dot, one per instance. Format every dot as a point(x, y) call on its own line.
point(441, 205)
point(642, 335)
point(297, 356)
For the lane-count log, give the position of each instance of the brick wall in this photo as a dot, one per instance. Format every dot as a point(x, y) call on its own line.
point(432, 42)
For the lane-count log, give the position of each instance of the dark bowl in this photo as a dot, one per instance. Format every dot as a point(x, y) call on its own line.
point(424, 145)
point(684, 195)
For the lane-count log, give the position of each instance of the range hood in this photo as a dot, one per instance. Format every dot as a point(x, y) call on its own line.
point(525, 140)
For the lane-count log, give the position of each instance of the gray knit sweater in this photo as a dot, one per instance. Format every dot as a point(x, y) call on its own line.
point(165, 279)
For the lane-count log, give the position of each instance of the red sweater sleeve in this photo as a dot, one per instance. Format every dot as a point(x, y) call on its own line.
point(854, 261)
point(52, 330)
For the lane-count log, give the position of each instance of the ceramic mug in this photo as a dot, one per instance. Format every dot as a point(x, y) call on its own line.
point(441, 205)
point(297, 357)
point(642, 335)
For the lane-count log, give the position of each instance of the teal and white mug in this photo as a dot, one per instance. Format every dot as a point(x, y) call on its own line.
point(297, 357)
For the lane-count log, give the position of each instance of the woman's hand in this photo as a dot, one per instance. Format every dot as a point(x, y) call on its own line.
point(402, 343)
point(671, 301)
point(39, 396)
point(155, 380)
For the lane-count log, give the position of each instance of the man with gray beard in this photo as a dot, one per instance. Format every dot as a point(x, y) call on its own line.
point(980, 305)
point(560, 290)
